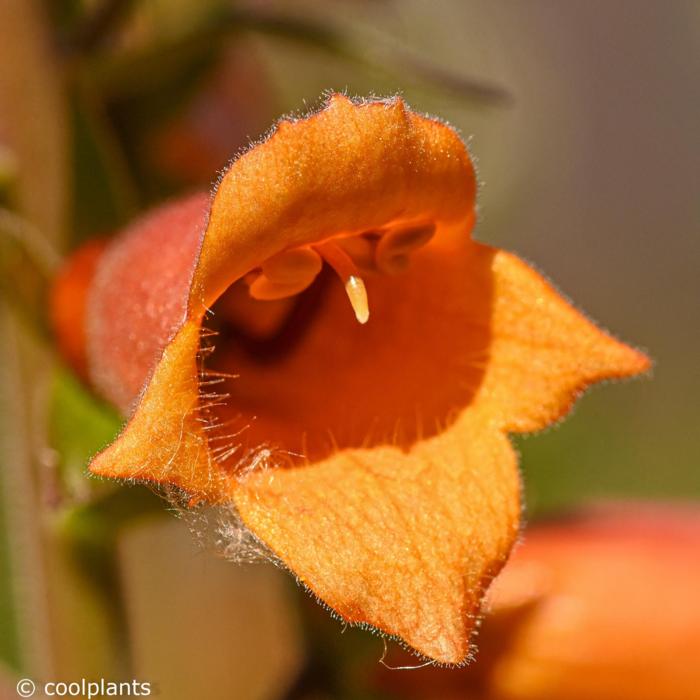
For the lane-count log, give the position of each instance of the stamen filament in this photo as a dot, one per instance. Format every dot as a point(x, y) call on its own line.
point(345, 268)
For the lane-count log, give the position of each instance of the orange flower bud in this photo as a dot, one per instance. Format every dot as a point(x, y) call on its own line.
point(68, 304)
point(608, 607)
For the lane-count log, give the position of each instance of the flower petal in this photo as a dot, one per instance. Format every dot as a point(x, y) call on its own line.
point(406, 543)
point(348, 168)
point(543, 351)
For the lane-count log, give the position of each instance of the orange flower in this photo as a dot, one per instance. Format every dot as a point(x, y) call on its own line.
point(602, 604)
point(608, 606)
point(371, 458)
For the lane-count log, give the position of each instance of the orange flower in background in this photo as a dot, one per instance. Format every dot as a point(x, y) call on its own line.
point(602, 604)
point(322, 346)
point(613, 612)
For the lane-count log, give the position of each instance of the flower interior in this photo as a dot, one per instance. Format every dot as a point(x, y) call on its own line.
point(355, 341)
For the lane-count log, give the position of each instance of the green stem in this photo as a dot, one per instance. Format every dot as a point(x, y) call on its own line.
point(27, 264)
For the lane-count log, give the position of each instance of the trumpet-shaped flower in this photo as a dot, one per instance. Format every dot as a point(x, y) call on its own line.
point(321, 345)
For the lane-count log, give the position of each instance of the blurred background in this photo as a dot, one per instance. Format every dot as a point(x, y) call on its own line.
point(583, 118)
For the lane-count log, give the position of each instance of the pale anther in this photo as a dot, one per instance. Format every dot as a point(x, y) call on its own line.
point(345, 268)
point(357, 293)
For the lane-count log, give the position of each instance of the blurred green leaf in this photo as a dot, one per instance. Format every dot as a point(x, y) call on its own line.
point(92, 511)
point(104, 196)
point(119, 99)
point(80, 425)
point(136, 116)
point(91, 29)
point(64, 15)
point(380, 54)
point(136, 73)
